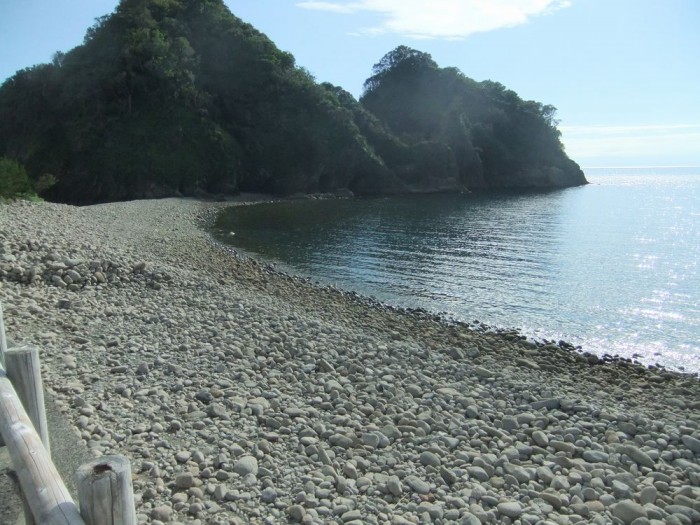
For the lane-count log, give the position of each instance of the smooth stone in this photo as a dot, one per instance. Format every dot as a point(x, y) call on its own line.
point(418, 485)
point(648, 495)
point(595, 456)
point(246, 465)
point(483, 372)
point(639, 456)
point(621, 490)
point(428, 458)
point(163, 513)
point(370, 439)
point(339, 440)
point(470, 519)
point(182, 457)
point(217, 410)
point(628, 511)
point(448, 476)
point(268, 495)
point(394, 486)
point(548, 404)
point(690, 513)
point(692, 443)
point(391, 432)
point(478, 473)
point(296, 512)
point(184, 480)
point(351, 515)
point(512, 509)
point(540, 438)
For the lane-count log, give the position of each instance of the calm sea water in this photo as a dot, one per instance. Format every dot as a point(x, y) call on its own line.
point(612, 266)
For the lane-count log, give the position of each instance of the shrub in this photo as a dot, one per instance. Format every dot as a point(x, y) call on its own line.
point(14, 181)
point(45, 182)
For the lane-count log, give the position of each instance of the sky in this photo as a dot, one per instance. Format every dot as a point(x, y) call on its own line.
point(623, 74)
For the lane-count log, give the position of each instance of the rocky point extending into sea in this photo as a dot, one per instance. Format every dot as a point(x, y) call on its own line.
point(242, 395)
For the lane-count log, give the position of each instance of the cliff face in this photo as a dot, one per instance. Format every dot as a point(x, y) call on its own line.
point(182, 97)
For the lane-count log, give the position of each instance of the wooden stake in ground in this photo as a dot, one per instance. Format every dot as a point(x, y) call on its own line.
point(105, 491)
point(3, 349)
point(3, 340)
point(24, 370)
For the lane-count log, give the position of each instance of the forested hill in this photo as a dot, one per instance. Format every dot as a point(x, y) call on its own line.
point(169, 97)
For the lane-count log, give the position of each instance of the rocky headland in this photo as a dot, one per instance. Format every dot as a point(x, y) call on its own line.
point(242, 395)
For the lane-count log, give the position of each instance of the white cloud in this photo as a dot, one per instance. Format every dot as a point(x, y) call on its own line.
point(672, 143)
point(447, 19)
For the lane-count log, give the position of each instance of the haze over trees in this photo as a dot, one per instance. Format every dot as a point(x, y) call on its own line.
point(168, 97)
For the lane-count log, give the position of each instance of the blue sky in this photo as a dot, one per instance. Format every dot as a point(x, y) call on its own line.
point(624, 74)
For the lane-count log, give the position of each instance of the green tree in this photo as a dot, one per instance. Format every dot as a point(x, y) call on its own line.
point(14, 181)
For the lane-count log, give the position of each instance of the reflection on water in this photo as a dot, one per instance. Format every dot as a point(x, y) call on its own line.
point(611, 266)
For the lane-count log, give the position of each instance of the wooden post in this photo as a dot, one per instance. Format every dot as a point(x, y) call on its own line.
point(42, 486)
point(3, 349)
point(105, 491)
point(24, 370)
point(3, 340)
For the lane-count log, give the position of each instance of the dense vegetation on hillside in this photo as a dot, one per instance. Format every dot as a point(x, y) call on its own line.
point(495, 139)
point(180, 96)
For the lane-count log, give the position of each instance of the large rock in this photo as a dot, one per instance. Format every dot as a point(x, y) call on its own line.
point(246, 465)
point(628, 511)
point(692, 443)
point(418, 485)
point(428, 458)
point(639, 456)
point(512, 509)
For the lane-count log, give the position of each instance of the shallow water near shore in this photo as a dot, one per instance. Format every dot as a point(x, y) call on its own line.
point(612, 266)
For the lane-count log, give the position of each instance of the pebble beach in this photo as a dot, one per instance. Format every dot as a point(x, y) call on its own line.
point(243, 395)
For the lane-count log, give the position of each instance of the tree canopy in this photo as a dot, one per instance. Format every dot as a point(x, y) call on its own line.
point(168, 97)
point(496, 139)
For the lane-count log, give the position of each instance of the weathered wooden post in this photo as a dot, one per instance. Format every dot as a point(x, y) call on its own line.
point(44, 491)
point(24, 370)
point(3, 340)
point(105, 491)
point(3, 349)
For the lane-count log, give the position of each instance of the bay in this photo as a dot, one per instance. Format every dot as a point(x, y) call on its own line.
point(611, 266)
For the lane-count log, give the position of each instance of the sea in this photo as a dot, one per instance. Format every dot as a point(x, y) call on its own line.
point(612, 267)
